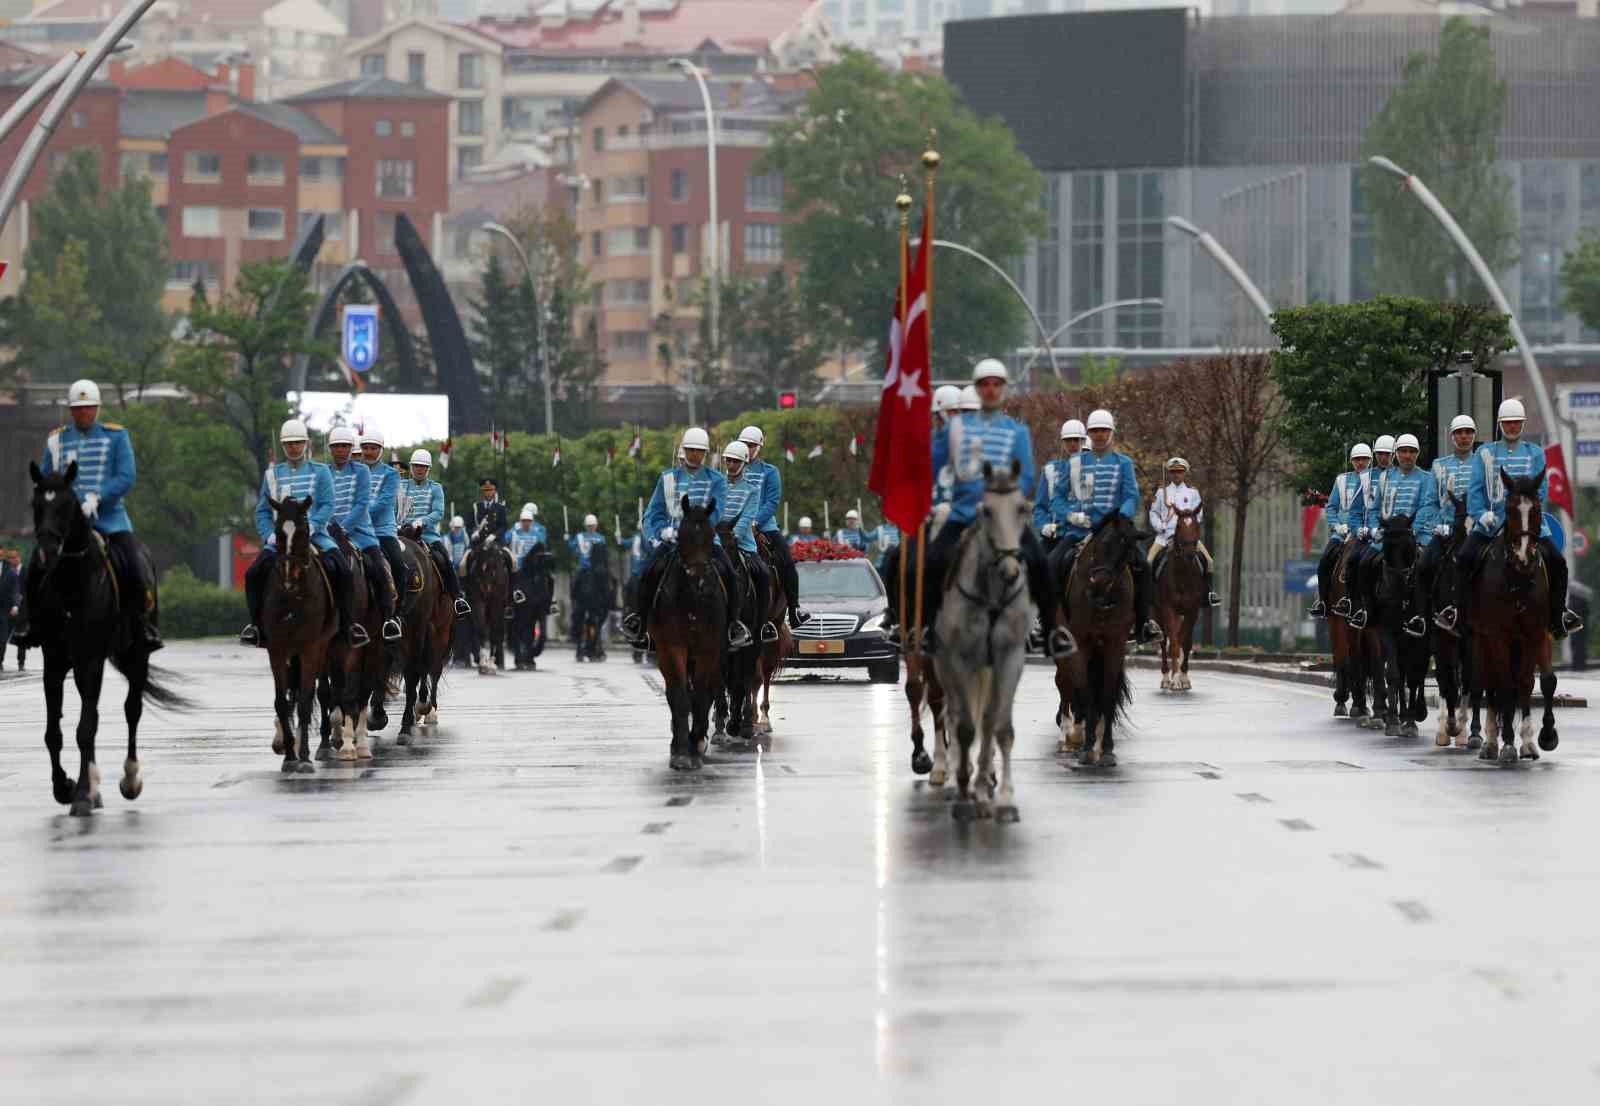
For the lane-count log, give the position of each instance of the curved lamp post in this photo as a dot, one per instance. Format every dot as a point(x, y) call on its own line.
point(38, 90)
point(699, 76)
point(1225, 259)
point(538, 318)
point(1005, 276)
point(1050, 340)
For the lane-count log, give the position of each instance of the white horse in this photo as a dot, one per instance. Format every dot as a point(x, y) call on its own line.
point(983, 632)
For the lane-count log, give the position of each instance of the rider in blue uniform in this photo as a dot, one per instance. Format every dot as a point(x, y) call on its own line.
point(766, 477)
point(802, 534)
point(298, 476)
point(1106, 484)
point(421, 511)
point(742, 508)
point(1345, 515)
point(352, 516)
point(1486, 503)
point(1404, 491)
point(851, 533)
point(703, 486)
point(106, 471)
point(456, 539)
point(1452, 475)
point(1054, 501)
point(588, 545)
point(524, 542)
point(383, 512)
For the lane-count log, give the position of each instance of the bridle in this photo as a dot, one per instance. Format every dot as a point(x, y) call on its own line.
point(990, 558)
point(294, 560)
point(1105, 577)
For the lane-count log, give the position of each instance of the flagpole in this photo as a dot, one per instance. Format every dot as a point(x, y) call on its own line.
point(930, 164)
point(903, 201)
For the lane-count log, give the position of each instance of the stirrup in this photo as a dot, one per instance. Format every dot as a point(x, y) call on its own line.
point(1416, 626)
point(633, 626)
point(1342, 607)
point(518, 596)
point(1150, 631)
point(357, 637)
point(769, 632)
point(392, 630)
point(1446, 618)
point(250, 635)
point(1213, 599)
point(463, 608)
point(1358, 621)
point(799, 616)
point(1319, 610)
point(1570, 621)
point(508, 614)
point(738, 634)
point(1061, 643)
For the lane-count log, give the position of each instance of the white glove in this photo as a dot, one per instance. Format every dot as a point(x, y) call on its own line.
point(1365, 534)
point(1342, 530)
point(1048, 530)
point(1441, 531)
point(1487, 519)
point(669, 534)
point(1078, 518)
point(91, 505)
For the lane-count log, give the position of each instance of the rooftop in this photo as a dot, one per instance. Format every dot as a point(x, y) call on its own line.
point(665, 27)
point(156, 114)
point(365, 88)
point(670, 94)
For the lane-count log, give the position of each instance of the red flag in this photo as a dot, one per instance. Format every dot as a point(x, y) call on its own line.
point(1559, 487)
point(444, 454)
point(635, 445)
point(902, 458)
point(855, 445)
point(1309, 517)
point(788, 453)
point(816, 451)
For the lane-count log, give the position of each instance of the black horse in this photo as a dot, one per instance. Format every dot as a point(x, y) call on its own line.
point(688, 621)
point(592, 601)
point(528, 622)
point(82, 618)
point(1405, 658)
point(1452, 657)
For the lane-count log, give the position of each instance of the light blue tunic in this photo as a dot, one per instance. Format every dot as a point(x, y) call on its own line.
point(105, 468)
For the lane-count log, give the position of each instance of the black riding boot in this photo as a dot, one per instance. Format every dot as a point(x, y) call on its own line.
point(1146, 628)
point(452, 582)
point(338, 571)
point(1450, 618)
point(136, 577)
point(761, 584)
point(738, 632)
point(891, 587)
point(644, 597)
point(1057, 641)
point(255, 587)
point(1330, 555)
point(1422, 590)
point(383, 590)
point(1562, 620)
point(1365, 590)
point(791, 579)
point(935, 566)
point(517, 594)
point(1060, 563)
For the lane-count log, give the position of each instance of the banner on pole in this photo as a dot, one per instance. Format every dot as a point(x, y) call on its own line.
point(359, 330)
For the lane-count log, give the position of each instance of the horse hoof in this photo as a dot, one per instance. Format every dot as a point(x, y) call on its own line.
point(277, 745)
point(682, 762)
point(131, 787)
point(363, 751)
point(964, 810)
point(63, 786)
point(1442, 740)
point(936, 777)
point(1409, 729)
point(1087, 758)
point(287, 768)
point(921, 762)
point(1529, 753)
point(324, 751)
point(347, 752)
point(1473, 743)
point(82, 808)
point(404, 738)
point(1108, 760)
point(1508, 753)
point(377, 720)
point(1340, 711)
point(1391, 729)
point(1549, 739)
point(304, 767)
point(97, 802)
point(1006, 813)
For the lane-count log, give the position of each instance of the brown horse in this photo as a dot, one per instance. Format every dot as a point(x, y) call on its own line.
point(773, 653)
point(1452, 657)
point(301, 618)
point(922, 682)
point(1510, 628)
point(345, 690)
point(1100, 605)
point(488, 587)
point(689, 624)
point(1180, 589)
point(1357, 654)
point(425, 644)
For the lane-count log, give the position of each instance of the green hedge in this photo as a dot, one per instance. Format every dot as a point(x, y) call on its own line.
point(191, 608)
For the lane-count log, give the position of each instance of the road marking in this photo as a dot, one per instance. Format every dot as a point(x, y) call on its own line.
point(1413, 910)
point(227, 781)
point(1357, 860)
point(680, 800)
point(389, 1090)
point(655, 827)
point(494, 993)
point(624, 864)
point(1298, 825)
point(563, 921)
point(788, 769)
point(1209, 775)
point(1252, 797)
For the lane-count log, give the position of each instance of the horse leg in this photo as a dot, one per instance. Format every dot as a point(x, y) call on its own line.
point(1548, 738)
point(1064, 711)
point(964, 809)
point(1169, 663)
point(700, 705)
point(987, 724)
point(305, 699)
point(1005, 734)
point(86, 796)
point(1449, 697)
point(135, 667)
point(55, 679)
point(1110, 691)
point(326, 706)
point(408, 716)
point(921, 763)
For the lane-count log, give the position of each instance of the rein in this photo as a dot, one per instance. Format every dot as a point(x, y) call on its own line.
point(994, 608)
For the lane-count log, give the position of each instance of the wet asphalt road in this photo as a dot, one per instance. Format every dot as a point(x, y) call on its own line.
point(1260, 905)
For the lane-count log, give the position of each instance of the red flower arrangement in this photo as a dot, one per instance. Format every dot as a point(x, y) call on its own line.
point(823, 550)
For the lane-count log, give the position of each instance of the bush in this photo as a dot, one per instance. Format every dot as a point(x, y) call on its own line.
point(192, 608)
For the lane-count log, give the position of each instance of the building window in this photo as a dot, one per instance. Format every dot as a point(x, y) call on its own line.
point(186, 273)
point(680, 185)
point(626, 241)
point(1086, 257)
point(408, 129)
point(416, 68)
point(136, 166)
point(158, 165)
point(265, 169)
point(383, 128)
point(468, 158)
point(202, 222)
point(630, 343)
point(202, 168)
point(374, 65)
point(311, 168)
point(161, 214)
point(469, 71)
point(1048, 255)
point(1141, 214)
point(680, 237)
point(763, 243)
point(763, 192)
point(630, 189)
point(397, 180)
point(77, 119)
point(469, 117)
point(383, 228)
point(628, 293)
point(599, 139)
point(598, 188)
point(527, 113)
point(597, 244)
point(332, 224)
point(264, 222)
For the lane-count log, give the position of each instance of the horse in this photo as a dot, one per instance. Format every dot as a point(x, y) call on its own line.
point(689, 624)
point(1510, 628)
point(301, 620)
point(488, 587)
point(591, 601)
point(425, 643)
point(773, 653)
point(1180, 589)
point(82, 619)
point(922, 682)
point(1100, 604)
point(983, 629)
point(346, 688)
point(1452, 658)
point(1405, 658)
point(734, 708)
point(1352, 648)
point(528, 619)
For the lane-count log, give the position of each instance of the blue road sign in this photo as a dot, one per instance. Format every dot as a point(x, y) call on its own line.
point(1558, 533)
point(1300, 575)
point(360, 336)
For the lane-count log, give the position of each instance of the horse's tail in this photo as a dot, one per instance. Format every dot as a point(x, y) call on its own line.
point(1124, 698)
point(156, 690)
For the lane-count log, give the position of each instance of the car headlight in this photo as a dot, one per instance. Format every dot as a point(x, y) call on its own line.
point(871, 624)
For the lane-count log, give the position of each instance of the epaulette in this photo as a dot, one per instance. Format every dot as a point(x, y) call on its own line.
point(113, 426)
point(60, 428)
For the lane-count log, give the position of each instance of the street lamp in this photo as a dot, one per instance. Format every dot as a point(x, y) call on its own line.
point(1223, 258)
point(1005, 276)
point(1547, 411)
point(1050, 340)
point(695, 71)
point(538, 318)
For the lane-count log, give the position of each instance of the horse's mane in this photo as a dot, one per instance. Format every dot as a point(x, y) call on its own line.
point(1109, 520)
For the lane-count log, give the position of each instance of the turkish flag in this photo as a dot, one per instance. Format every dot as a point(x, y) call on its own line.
point(902, 455)
point(1309, 517)
point(1558, 486)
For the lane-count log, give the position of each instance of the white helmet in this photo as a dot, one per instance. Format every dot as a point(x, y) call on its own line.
point(1407, 441)
point(83, 393)
point(1178, 463)
point(457, 521)
point(422, 457)
point(1511, 410)
point(1361, 449)
point(989, 369)
point(736, 451)
point(752, 435)
point(946, 397)
point(969, 399)
point(531, 508)
point(341, 435)
point(293, 431)
point(372, 434)
point(527, 514)
point(1463, 422)
point(805, 522)
point(1384, 444)
point(852, 514)
point(590, 520)
point(1073, 428)
point(696, 438)
point(1101, 420)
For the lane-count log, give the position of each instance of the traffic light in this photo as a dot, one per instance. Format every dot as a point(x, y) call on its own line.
point(788, 400)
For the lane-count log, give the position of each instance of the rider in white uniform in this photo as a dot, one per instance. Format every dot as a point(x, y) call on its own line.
point(1178, 496)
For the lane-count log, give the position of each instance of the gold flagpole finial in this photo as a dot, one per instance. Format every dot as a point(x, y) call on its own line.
point(903, 201)
point(930, 156)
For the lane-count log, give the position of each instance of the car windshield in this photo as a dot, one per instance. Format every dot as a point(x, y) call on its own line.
point(853, 579)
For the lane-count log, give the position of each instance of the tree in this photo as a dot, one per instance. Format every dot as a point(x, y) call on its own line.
point(840, 155)
point(1442, 123)
point(500, 346)
point(1580, 279)
point(1349, 372)
point(191, 476)
point(55, 324)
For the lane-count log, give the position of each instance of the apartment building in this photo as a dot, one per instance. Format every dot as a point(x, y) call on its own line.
point(642, 198)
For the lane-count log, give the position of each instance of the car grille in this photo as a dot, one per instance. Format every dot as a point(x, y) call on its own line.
point(829, 625)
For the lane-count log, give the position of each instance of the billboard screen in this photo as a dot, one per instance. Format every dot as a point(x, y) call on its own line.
point(1094, 90)
point(406, 420)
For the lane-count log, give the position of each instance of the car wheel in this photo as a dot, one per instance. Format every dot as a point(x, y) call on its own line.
point(884, 672)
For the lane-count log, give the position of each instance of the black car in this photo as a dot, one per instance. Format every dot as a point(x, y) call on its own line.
point(847, 602)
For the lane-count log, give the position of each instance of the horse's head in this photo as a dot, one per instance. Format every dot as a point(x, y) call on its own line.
point(57, 515)
point(695, 532)
point(1003, 517)
point(1107, 550)
point(484, 535)
point(1524, 518)
point(1399, 543)
point(1186, 534)
point(1458, 515)
point(292, 526)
